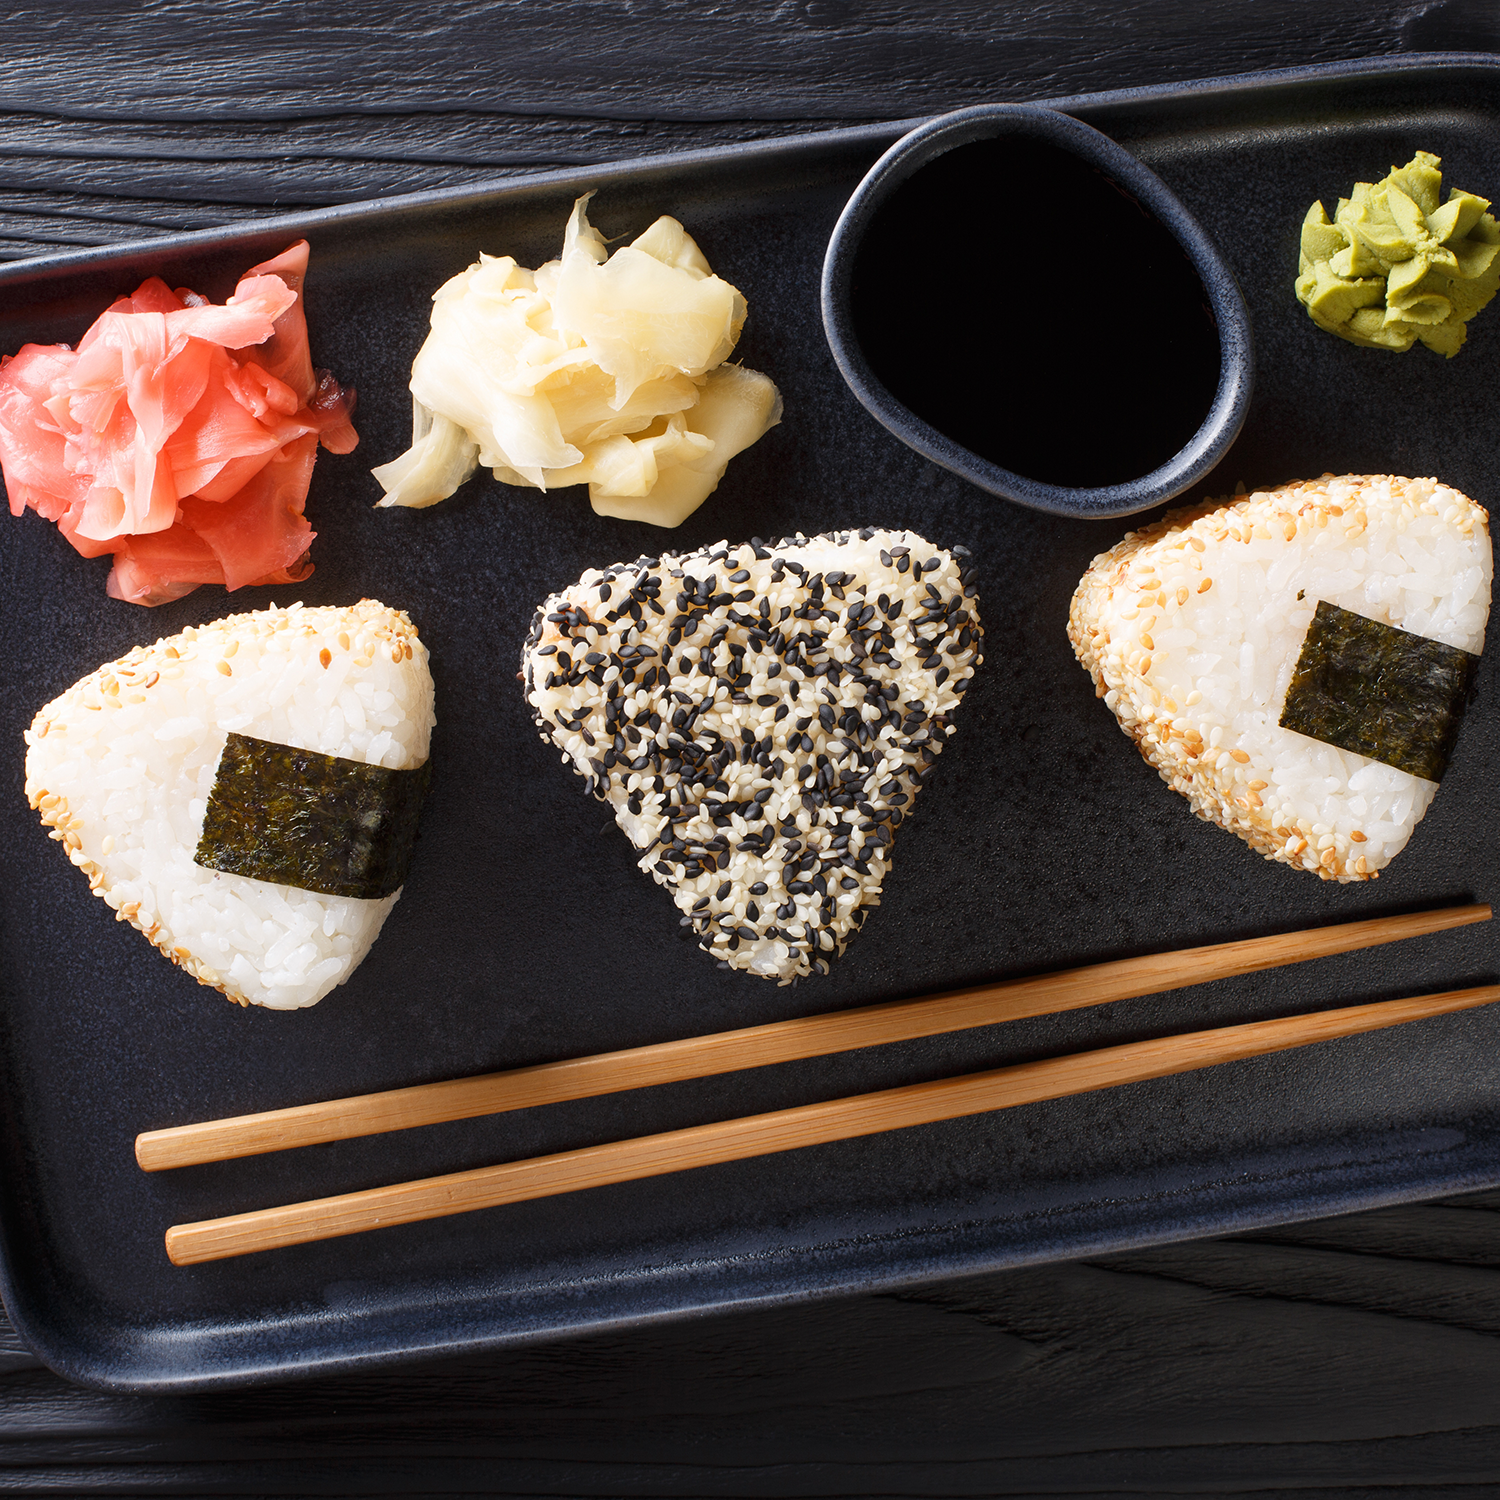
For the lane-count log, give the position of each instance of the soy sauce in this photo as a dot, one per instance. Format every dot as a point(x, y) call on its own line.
point(1019, 301)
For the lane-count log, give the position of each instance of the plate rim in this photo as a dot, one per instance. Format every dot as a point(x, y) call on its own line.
point(277, 226)
point(134, 1370)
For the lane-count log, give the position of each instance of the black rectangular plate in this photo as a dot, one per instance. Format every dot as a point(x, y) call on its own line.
point(526, 933)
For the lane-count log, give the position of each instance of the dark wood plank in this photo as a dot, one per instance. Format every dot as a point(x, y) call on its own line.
point(117, 124)
point(642, 59)
point(1355, 1357)
point(1249, 1364)
point(134, 179)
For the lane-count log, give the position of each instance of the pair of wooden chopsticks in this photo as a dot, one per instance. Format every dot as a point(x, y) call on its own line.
point(782, 1041)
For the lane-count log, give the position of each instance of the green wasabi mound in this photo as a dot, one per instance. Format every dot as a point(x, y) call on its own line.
point(1392, 267)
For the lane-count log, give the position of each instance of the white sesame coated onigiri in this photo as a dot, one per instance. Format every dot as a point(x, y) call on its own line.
point(760, 718)
point(1191, 629)
point(121, 766)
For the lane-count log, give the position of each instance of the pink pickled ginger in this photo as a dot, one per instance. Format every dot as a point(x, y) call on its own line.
point(179, 435)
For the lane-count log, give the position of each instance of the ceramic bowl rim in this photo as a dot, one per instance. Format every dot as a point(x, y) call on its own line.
point(1226, 414)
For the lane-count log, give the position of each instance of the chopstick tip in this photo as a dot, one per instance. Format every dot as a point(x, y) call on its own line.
point(148, 1153)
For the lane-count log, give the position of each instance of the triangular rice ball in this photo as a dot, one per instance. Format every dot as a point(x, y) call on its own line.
point(761, 718)
point(1193, 627)
point(122, 764)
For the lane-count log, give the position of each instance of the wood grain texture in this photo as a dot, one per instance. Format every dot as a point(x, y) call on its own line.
point(118, 122)
point(778, 1041)
point(638, 59)
point(1355, 1356)
point(787, 1129)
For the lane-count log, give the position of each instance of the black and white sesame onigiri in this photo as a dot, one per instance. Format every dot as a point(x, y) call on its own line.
point(125, 766)
point(761, 717)
point(1296, 662)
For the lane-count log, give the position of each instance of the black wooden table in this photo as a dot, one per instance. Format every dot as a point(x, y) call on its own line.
point(1358, 1355)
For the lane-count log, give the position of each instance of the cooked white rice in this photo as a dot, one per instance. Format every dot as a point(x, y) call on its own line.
point(760, 718)
point(121, 766)
point(1191, 629)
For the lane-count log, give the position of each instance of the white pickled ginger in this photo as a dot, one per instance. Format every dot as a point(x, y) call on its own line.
point(597, 369)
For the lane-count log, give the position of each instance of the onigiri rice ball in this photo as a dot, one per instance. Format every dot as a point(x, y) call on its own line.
point(1191, 629)
point(121, 766)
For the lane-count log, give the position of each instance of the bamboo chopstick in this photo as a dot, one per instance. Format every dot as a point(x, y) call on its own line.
point(779, 1041)
point(786, 1129)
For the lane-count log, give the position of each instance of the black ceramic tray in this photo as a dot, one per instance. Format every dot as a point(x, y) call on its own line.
point(526, 933)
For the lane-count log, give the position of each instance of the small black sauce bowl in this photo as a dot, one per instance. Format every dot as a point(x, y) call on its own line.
point(1225, 305)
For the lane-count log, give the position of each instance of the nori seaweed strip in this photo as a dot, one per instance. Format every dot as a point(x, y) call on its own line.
point(318, 822)
point(1379, 691)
